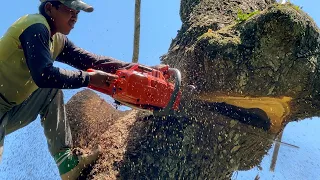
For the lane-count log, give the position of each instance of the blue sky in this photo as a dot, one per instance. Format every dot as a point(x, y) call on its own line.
point(109, 31)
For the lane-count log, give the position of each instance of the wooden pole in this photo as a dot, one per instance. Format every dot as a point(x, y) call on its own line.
point(275, 152)
point(136, 41)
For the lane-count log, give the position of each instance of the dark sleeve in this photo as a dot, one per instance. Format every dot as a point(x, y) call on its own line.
point(35, 44)
point(83, 60)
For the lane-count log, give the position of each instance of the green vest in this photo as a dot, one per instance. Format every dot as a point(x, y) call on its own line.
point(16, 83)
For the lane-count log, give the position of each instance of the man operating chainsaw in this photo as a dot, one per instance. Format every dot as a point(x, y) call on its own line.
point(32, 86)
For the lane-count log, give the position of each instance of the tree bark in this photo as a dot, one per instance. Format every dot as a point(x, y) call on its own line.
point(253, 75)
point(271, 58)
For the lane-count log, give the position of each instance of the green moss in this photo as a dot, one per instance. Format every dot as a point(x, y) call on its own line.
point(241, 16)
point(298, 8)
point(221, 42)
point(289, 5)
point(221, 37)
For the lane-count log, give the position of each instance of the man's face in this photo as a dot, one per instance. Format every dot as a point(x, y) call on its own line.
point(64, 18)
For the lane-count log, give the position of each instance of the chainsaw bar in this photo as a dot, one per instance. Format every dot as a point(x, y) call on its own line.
point(134, 106)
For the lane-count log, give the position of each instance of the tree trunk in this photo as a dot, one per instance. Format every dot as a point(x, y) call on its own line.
point(253, 73)
point(268, 60)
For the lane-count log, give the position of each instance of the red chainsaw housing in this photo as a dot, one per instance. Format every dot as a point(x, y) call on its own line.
point(142, 87)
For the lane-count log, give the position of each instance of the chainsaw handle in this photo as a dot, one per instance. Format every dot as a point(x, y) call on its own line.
point(108, 91)
point(139, 66)
point(148, 69)
point(177, 76)
point(145, 68)
point(90, 70)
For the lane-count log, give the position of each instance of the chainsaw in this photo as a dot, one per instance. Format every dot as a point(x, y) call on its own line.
point(148, 89)
point(144, 88)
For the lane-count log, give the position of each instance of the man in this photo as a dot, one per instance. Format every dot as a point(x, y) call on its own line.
point(31, 85)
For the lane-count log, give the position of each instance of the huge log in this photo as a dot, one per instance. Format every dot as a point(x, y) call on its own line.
point(255, 67)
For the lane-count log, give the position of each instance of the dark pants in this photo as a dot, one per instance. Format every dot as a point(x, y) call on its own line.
point(48, 103)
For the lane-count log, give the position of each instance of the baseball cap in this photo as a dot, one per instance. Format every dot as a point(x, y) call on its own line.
point(74, 4)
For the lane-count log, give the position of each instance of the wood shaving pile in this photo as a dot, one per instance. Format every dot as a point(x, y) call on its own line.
point(94, 121)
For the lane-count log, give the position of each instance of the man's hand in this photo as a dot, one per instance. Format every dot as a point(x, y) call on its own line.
point(101, 79)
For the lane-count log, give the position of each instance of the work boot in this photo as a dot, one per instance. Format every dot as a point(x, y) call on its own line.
point(71, 163)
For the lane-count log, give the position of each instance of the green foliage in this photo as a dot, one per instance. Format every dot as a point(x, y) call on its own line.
point(289, 3)
point(241, 16)
point(296, 7)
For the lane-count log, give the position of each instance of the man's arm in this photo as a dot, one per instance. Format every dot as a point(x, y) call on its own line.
point(35, 44)
point(83, 60)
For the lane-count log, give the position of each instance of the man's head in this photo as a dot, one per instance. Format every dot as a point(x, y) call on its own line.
point(63, 13)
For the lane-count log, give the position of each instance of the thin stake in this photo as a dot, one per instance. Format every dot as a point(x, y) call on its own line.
point(275, 153)
point(136, 40)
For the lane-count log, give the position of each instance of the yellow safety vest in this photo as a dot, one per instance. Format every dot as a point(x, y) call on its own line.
point(16, 83)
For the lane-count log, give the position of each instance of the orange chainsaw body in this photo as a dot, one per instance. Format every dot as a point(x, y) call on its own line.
point(141, 87)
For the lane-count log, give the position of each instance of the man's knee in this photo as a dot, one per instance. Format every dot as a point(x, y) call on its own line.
point(51, 94)
point(53, 98)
